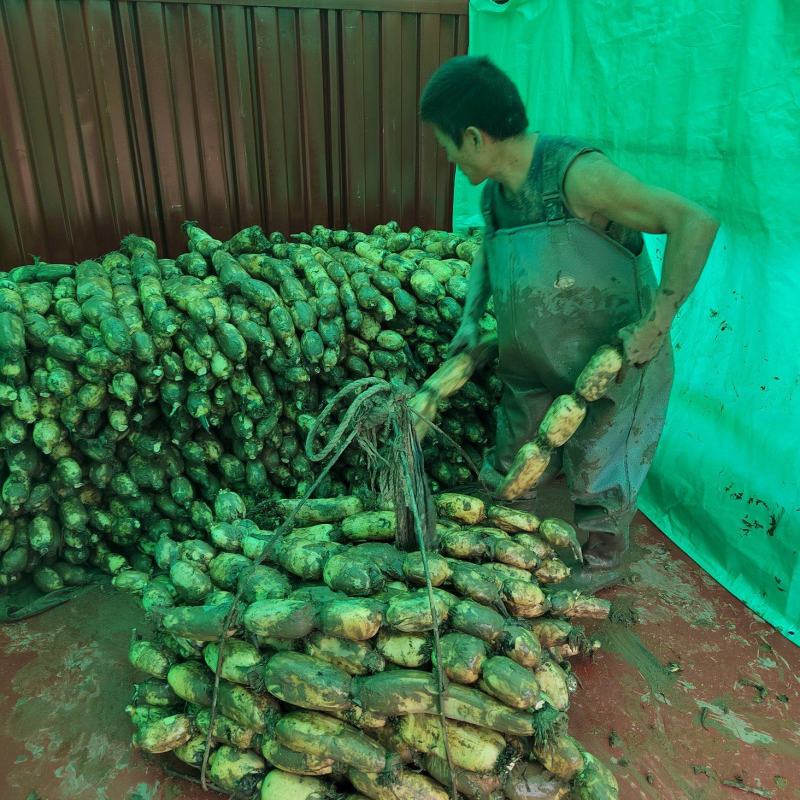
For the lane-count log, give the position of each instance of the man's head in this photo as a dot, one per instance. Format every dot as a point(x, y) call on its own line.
point(473, 105)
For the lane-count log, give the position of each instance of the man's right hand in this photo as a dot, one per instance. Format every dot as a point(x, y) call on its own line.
point(466, 337)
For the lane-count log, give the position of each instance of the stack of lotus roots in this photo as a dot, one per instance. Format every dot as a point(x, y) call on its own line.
point(133, 388)
point(320, 661)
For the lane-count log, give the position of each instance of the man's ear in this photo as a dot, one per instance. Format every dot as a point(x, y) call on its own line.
point(474, 136)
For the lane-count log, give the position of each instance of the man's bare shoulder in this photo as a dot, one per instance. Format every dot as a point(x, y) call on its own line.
point(584, 176)
point(597, 190)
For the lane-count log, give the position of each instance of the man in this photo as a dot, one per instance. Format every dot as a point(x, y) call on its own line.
point(563, 258)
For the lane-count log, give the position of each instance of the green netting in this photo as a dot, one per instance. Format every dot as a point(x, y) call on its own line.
point(702, 98)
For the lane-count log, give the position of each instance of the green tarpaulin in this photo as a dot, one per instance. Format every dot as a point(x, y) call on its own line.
point(702, 98)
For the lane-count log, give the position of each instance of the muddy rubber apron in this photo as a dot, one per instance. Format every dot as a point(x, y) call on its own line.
point(561, 289)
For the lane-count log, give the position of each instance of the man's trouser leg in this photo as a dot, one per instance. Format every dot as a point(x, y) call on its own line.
point(518, 418)
point(607, 460)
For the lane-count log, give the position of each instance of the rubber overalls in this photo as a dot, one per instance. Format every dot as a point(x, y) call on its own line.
point(561, 289)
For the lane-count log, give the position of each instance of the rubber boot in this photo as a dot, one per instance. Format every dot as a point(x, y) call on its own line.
point(602, 563)
point(604, 551)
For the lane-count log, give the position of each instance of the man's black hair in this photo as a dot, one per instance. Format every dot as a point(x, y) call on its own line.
point(471, 91)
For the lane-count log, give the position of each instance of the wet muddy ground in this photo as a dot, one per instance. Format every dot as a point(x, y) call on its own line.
point(698, 700)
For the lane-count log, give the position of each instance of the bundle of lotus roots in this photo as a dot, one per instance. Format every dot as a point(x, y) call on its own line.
point(316, 660)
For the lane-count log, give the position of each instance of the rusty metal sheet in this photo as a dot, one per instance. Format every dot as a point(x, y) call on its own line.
point(460, 7)
point(135, 115)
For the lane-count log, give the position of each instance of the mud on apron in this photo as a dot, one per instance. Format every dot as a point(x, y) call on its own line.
point(561, 289)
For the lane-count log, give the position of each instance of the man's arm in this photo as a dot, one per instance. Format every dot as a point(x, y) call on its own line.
point(596, 189)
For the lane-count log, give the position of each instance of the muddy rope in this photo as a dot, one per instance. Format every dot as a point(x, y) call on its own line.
point(407, 432)
point(378, 406)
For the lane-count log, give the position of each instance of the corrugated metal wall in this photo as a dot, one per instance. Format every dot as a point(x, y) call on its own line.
point(127, 115)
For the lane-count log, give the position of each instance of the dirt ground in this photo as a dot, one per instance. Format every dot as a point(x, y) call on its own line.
point(697, 700)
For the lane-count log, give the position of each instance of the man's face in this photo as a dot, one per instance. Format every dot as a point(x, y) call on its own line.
point(471, 158)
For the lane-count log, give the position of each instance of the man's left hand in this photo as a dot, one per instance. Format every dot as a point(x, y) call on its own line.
point(642, 340)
